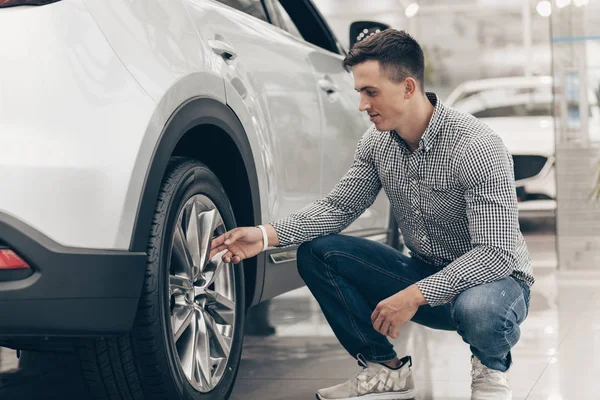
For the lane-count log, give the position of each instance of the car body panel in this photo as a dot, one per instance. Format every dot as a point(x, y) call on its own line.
point(274, 88)
point(160, 47)
point(67, 172)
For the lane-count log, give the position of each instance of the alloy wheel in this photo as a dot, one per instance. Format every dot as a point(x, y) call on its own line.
point(202, 295)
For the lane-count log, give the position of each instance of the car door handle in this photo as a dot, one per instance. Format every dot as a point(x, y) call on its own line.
point(328, 86)
point(223, 49)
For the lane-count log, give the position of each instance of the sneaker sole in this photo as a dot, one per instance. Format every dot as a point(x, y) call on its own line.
point(409, 394)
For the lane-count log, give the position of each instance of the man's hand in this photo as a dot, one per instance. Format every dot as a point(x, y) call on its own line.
point(393, 312)
point(240, 243)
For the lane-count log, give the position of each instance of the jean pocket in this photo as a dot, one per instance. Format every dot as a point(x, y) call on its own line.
point(520, 308)
point(527, 297)
point(526, 294)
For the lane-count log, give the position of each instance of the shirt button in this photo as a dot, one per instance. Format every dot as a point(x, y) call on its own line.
point(418, 212)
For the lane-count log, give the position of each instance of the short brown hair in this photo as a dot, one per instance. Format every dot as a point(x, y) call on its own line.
point(398, 53)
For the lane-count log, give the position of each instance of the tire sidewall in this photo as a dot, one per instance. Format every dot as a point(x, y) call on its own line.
point(197, 179)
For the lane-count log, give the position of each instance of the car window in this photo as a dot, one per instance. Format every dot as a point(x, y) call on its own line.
point(250, 7)
point(285, 20)
point(310, 24)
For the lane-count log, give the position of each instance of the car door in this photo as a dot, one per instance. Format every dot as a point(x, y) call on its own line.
point(269, 75)
point(341, 122)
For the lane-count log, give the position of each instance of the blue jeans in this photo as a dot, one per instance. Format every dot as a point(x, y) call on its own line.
point(349, 276)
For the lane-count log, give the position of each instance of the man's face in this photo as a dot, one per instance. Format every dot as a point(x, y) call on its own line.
point(384, 100)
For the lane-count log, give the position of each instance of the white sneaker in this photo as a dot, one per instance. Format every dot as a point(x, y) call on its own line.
point(487, 383)
point(375, 381)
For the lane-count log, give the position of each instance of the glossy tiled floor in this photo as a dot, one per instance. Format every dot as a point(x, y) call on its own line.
point(557, 358)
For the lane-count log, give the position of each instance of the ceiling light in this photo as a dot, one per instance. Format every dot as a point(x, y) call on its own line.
point(544, 8)
point(562, 3)
point(411, 10)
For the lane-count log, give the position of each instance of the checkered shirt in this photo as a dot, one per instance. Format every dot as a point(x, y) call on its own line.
point(454, 199)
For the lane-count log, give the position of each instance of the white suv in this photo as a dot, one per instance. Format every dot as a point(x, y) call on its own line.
point(133, 132)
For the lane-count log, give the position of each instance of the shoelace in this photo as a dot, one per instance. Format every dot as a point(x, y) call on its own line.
point(364, 371)
point(480, 371)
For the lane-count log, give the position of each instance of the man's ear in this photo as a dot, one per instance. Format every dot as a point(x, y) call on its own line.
point(410, 87)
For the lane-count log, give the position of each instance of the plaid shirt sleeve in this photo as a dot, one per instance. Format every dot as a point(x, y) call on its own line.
point(486, 173)
point(355, 192)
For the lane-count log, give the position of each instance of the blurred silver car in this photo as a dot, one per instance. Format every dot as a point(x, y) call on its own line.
point(519, 109)
point(131, 134)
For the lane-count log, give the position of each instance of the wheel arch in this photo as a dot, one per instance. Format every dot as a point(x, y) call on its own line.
point(209, 131)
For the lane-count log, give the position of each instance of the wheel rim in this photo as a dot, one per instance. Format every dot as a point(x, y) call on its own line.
point(202, 295)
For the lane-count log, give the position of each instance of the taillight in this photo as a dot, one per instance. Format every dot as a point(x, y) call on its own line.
point(11, 3)
point(10, 260)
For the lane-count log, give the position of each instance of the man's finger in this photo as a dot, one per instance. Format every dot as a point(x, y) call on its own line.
point(393, 332)
point(385, 329)
point(213, 253)
point(227, 256)
point(234, 235)
point(217, 241)
point(217, 255)
point(216, 251)
point(236, 259)
point(375, 315)
point(379, 323)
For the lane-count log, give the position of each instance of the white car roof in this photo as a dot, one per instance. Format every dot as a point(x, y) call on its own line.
point(483, 84)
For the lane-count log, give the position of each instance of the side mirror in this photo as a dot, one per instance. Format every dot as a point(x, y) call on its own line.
point(366, 28)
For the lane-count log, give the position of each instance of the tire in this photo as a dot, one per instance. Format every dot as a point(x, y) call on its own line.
point(145, 364)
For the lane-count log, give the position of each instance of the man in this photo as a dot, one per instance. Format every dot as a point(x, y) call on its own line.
point(450, 182)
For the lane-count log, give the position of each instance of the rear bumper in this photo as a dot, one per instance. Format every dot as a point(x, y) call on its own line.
point(71, 292)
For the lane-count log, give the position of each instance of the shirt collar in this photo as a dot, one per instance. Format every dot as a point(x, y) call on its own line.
point(435, 123)
point(433, 128)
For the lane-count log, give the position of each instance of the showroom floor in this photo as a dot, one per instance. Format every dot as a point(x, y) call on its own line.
point(556, 358)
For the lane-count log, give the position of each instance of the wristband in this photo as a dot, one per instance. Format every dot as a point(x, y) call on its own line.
point(265, 237)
